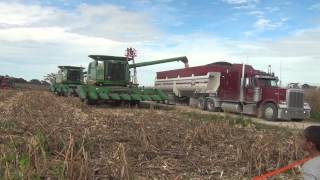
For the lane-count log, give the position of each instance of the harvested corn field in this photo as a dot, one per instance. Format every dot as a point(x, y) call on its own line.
point(45, 136)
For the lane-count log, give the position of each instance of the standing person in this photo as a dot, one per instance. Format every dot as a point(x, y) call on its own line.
point(311, 144)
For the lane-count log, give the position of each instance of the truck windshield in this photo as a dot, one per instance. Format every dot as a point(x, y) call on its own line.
point(268, 82)
point(115, 71)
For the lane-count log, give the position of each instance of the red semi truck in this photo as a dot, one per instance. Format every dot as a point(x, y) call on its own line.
point(239, 88)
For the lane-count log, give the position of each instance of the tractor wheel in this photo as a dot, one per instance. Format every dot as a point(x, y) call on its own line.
point(211, 105)
point(202, 104)
point(269, 112)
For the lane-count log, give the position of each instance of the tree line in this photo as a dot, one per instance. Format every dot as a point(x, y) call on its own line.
point(23, 81)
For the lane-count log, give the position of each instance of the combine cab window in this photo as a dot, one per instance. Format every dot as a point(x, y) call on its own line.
point(74, 75)
point(268, 82)
point(115, 71)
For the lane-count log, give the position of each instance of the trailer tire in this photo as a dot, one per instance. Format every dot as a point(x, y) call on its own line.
point(202, 104)
point(297, 120)
point(171, 99)
point(269, 112)
point(211, 105)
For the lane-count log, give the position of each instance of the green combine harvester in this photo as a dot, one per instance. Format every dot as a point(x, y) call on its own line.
point(67, 80)
point(109, 81)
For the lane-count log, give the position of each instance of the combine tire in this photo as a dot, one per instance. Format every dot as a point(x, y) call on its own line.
point(89, 102)
point(269, 112)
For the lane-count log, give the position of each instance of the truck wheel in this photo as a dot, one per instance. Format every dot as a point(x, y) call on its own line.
point(202, 104)
point(297, 120)
point(269, 112)
point(211, 105)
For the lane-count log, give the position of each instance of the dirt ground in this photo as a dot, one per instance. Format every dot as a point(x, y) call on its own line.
point(44, 136)
point(279, 123)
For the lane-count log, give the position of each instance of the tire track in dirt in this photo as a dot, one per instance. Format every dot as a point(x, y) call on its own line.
point(7, 103)
point(280, 123)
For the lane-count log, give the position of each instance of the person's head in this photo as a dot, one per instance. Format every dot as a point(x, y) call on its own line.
point(311, 142)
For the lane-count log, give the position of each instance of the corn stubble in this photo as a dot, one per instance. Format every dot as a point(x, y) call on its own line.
point(49, 137)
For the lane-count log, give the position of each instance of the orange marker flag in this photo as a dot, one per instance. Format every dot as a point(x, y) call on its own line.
point(281, 170)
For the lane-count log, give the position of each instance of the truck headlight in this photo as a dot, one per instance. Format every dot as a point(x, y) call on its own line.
point(283, 102)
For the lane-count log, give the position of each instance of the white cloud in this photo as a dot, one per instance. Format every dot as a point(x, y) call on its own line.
point(34, 43)
point(240, 2)
point(272, 9)
point(315, 6)
point(299, 54)
point(104, 20)
point(114, 23)
point(15, 14)
point(263, 23)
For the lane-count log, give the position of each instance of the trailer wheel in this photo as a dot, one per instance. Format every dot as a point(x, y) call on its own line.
point(269, 112)
point(202, 104)
point(171, 99)
point(211, 105)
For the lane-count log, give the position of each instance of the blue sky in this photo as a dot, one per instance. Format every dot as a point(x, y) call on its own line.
point(36, 36)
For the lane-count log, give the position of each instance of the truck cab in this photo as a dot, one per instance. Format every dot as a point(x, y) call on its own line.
point(273, 102)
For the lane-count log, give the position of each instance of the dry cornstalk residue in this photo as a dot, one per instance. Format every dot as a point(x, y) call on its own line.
point(44, 136)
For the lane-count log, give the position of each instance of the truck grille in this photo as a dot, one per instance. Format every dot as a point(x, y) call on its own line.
point(296, 99)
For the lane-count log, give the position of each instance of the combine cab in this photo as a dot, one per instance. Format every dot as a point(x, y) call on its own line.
point(66, 80)
point(109, 80)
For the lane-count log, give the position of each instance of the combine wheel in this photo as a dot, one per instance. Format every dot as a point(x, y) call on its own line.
point(134, 103)
point(202, 104)
point(269, 112)
point(70, 93)
point(57, 93)
point(89, 101)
